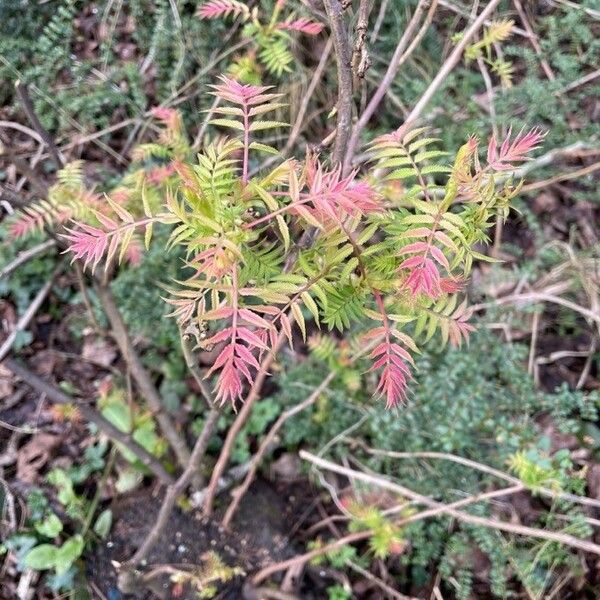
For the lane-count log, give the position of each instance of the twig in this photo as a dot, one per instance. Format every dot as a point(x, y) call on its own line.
point(173, 492)
point(28, 315)
point(57, 157)
point(360, 55)
point(398, 59)
point(478, 467)
point(450, 63)
point(530, 297)
point(192, 365)
point(299, 122)
point(141, 375)
point(389, 591)
point(440, 508)
point(26, 170)
point(79, 275)
point(58, 397)
point(460, 11)
point(304, 558)
point(578, 82)
point(533, 39)
point(237, 425)
point(238, 494)
point(343, 55)
point(206, 121)
point(595, 14)
point(379, 21)
point(214, 409)
point(536, 185)
point(26, 256)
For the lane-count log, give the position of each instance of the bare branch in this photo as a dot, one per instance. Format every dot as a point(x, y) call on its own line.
point(26, 256)
point(360, 55)
point(343, 55)
point(141, 375)
point(238, 494)
point(450, 62)
point(398, 59)
point(439, 508)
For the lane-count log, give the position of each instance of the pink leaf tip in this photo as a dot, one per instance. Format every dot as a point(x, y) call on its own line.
point(513, 151)
point(303, 25)
point(222, 8)
point(395, 374)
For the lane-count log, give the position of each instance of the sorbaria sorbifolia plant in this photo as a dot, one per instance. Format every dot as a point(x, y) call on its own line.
point(387, 253)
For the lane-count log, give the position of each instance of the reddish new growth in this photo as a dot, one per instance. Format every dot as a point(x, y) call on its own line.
point(237, 359)
point(222, 8)
point(512, 151)
point(336, 197)
point(303, 25)
point(391, 358)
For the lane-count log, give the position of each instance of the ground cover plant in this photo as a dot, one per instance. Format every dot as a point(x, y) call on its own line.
point(288, 317)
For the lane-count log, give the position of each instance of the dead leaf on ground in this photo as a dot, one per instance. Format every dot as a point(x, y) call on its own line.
point(6, 383)
point(34, 455)
point(99, 351)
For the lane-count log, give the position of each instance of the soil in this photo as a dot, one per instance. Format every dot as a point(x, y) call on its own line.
point(259, 536)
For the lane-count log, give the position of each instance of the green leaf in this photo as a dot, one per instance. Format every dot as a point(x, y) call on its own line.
point(261, 125)
point(62, 482)
point(299, 318)
point(311, 305)
point(128, 480)
point(148, 235)
point(263, 148)
point(41, 557)
point(119, 414)
point(68, 553)
point(50, 527)
point(227, 123)
point(285, 232)
point(103, 523)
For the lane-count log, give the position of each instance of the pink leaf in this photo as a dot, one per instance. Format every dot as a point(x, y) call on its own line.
point(395, 373)
point(251, 338)
point(254, 319)
point(424, 279)
point(439, 256)
point(221, 8)
point(414, 248)
point(513, 151)
point(304, 25)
